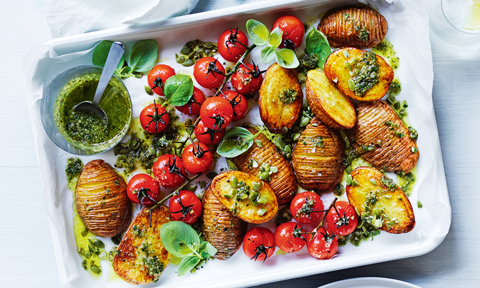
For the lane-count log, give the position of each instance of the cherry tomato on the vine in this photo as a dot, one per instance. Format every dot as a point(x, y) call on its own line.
point(143, 189)
point(247, 79)
point(259, 244)
point(293, 31)
point(306, 207)
point(342, 218)
point(206, 135)
point(209, 72)
point(186, 208)
point(216, 113)
point(158, 76)
point(197, 158)
point(168, 170)
point(232, 44)
point(289, 237)
point(154, 118)
point(322, 245)
point(194, 104)
point(238, 102)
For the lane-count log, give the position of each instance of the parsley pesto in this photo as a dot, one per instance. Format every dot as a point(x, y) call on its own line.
point(364, 73)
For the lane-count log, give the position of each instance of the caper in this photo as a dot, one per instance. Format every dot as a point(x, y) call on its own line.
point(192, 187)
point(180, 59)
point(202, 184)
point(116, 239)
point(159, 153)
point(296, 136)
point(304, 122)
point(148, 90)
point(188, 63)
point(348, 169)
point(253, 197)
point(99, 244)
point(349, 180)
point(103, 255)
point(80, 251)
point(88, 254)
point(95, 269)
point(373, 181)
point(191, 55)
point(84, 232)
point(261, 211)
point(151, 150)
point(84, 264)
point(209, 54)
point(256, 186)
point(351, 84)
point(186, 50)
point(234, 182)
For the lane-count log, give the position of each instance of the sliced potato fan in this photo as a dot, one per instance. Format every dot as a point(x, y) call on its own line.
point(101, 199)
point(219, 227)
point(262, 156)
point(317, 157)
point(281, 98)
point(141, 257)
point(376, 196)
point(328, 103)
point(353, 71)
point(246, 196)
point(382, 139)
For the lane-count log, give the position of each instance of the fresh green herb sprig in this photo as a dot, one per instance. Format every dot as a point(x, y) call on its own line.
point(183, 242)
point(317, 43)
point(260, 36)
point(141, 58)
point(235, 142)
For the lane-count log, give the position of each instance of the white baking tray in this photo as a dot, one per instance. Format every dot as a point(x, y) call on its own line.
point(408, 32)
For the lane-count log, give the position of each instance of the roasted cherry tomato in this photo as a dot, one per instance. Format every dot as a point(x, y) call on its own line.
point(197, 158)
point(206, 135)
point(259, 244)
point(293, 31)
point(342, 218)
point(209, 72)
point(232, 44)
point(238, 102)
point(168, 170)
point(322, 245)
point(154, 118)
point(247, 79)
point(306, 207)
point(216, 113)
point(157, 77)
point(289, 237)
point(194, 104)
point(186, 208)
point(143, 189)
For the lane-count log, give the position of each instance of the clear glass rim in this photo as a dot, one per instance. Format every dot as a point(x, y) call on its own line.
point(466, 31)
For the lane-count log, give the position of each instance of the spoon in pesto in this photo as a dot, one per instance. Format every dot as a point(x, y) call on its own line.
point(114, 56)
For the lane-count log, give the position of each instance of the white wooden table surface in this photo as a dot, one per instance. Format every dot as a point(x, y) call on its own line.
point(26, 251)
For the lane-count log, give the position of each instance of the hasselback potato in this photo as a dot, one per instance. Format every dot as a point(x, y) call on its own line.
point(281, 98)
point(282, 182)
point(317, 157)
point(219, 227)
point(360, 27)
point(141, 257)
point(382, 139)
point(101, 199)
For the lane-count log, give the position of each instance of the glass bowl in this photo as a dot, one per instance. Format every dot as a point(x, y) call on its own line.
point(464, 15)
point(53, 101)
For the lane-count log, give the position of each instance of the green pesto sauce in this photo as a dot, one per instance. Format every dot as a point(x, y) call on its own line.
point(386, 50)
point(85, 128)
point(365, 73)
point(288, 96)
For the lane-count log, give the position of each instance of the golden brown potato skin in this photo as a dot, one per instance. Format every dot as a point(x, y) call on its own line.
point(101, 199)
point(277, 116)
point(283, 182)
point(342, 33)
point(337, 71)
point(129, 253)
point(328, 103)
point(392, 153)
point(395, 204)
point(316, 167)
point(219, 227)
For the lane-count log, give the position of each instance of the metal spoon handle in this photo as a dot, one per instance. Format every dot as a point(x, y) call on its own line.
point(114, 56)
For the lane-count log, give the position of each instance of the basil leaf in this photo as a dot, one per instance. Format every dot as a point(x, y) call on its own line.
point(267, 54)
point(286, 58)
point(235, 142)
point(178, 89)
point(179, 238)
point(143, 55)
point(257, 32)
point(275, 38)
point(317, 43)
point(100, 55)
point(207, 249)
point(187, 264)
